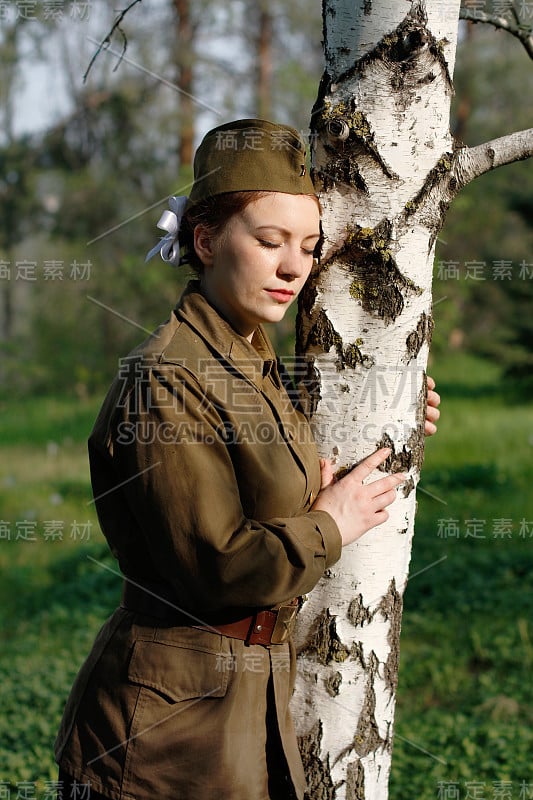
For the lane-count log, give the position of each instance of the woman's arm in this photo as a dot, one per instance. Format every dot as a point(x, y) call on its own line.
point(179, 481)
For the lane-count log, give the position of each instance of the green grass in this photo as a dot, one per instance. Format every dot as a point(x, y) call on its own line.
point(465, 702)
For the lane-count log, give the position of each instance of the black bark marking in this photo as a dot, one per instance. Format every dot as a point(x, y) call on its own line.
point(407, 488)
point(359, 140)
point(401, 48)
point(307, 380)
point(440, 172)
point(324, 640)
point(377, 283)
point(309, 386)
point(306, 313)
point(355, 781)
point(357, 654)
point(391, 608)
point(317, 771)
point(340, 171)
point(367, 738)
point(423, 333)
point(434, 198)
point(411, 456)
point(358, 613)
point(402, 460)
point(333, 683)
point(322, 334)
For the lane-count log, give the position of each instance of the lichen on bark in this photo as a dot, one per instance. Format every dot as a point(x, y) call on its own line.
point(324, 640)
point(329, 118)
point(377, 282)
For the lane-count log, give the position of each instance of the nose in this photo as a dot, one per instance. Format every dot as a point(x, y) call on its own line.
point(294, 263)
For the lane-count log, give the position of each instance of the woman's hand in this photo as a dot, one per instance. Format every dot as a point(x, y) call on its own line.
point(432, 411)
point(356, 506)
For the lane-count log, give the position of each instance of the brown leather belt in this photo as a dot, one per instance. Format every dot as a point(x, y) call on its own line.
point(263, 627)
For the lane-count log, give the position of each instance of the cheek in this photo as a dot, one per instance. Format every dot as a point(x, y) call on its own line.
point(307, 272)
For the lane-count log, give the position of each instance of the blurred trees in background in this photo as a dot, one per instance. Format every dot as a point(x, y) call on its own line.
point(79, 201)
point(484, 259)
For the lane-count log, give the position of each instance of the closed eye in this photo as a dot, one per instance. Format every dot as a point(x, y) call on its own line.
point(265, 243)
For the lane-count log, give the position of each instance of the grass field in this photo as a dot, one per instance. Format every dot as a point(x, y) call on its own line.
point(465, 702)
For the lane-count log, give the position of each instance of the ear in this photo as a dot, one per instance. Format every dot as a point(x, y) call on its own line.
point(203, 244)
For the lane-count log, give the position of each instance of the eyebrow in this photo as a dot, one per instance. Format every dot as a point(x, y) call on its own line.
point(281, 229)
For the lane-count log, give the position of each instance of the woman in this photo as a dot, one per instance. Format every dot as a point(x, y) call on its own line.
point(208, 489)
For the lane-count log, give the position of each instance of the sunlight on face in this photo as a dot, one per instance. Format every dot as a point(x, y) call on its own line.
point(255, 268)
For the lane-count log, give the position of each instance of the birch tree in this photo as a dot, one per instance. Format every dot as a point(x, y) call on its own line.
point(386, 168)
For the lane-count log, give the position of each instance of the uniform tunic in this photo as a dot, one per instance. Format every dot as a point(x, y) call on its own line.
point(203, 473)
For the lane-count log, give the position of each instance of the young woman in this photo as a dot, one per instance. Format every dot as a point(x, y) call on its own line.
point(209, 491)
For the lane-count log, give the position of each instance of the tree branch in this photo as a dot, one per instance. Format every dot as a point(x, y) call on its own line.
point(106, 41)
point(471, 162)
point(516, 28)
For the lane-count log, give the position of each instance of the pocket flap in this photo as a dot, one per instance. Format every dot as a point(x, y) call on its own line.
point(179, 673)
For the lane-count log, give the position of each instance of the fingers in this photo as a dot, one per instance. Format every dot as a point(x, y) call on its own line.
point(386, 485)
point(370, 463)
point(433, 398)
point(381, 485)
point(356, 505)
point(381, 502)
point(432, 413)
point(384, 490)
point(327, 476)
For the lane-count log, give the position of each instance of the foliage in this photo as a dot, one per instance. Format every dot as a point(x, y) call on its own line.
point(465, 696)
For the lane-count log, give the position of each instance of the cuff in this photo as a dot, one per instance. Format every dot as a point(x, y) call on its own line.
point(331, 537)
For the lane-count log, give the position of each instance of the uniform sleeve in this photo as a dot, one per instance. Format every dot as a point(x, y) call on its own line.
point(178, 477)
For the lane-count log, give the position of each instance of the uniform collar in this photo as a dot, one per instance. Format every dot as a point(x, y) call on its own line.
point(255, 360)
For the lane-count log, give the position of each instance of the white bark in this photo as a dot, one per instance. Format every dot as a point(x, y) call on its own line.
point(382, 164)
point(471, 162)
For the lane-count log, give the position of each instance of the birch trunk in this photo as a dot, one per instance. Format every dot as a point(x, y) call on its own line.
point(383, 144)
point(386, 169)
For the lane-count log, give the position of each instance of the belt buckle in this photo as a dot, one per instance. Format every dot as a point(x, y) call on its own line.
point(286, 616)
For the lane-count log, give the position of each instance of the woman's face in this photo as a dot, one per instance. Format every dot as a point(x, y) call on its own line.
point(255, 268)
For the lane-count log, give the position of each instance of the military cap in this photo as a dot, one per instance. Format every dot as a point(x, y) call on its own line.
point(250, 155)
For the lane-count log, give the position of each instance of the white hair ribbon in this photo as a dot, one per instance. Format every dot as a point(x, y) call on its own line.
point(170, 221)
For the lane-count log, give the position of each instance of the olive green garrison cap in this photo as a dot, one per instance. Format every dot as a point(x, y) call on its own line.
point(250, 155)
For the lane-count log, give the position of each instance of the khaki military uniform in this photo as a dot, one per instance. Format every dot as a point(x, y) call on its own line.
point(204, 474)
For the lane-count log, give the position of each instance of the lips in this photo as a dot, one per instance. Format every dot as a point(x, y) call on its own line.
point(281, 295)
